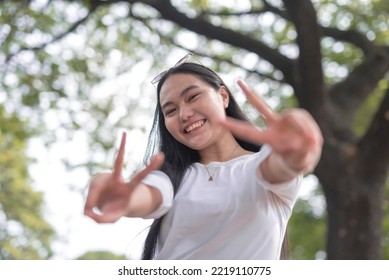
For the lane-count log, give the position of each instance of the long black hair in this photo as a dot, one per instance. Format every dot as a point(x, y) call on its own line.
point(179, 157)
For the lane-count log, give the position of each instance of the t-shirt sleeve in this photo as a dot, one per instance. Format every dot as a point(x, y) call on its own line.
point(159, 180)
point(286, 191)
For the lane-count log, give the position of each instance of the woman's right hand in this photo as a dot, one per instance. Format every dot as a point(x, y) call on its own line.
point(109, 194)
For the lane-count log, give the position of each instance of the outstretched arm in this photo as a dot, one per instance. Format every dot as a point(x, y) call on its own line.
point(110, 197)
point(295, 137)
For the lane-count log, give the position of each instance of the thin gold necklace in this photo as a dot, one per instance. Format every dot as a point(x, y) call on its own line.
point(210, 178)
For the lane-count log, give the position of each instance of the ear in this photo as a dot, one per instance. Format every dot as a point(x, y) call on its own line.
point(224, 94)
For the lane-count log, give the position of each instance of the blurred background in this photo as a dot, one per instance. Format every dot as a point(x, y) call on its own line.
point(75, 74)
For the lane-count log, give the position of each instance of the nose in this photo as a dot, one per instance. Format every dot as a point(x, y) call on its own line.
point(185, 113)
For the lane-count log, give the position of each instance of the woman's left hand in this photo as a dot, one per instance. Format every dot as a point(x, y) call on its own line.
point(294, 135)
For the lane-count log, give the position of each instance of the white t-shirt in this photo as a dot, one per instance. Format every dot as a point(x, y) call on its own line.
point(238, 215)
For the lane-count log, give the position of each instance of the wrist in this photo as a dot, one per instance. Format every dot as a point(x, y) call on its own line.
point(280, 164)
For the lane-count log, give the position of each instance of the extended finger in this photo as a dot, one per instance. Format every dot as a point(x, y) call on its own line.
point(155, 163)
point(118, 165)
point(245, 131)
point(268, 114)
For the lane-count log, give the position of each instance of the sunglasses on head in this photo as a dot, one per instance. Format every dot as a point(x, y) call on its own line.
point(186, 58)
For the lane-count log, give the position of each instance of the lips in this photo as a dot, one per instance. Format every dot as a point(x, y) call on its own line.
point(193, 126)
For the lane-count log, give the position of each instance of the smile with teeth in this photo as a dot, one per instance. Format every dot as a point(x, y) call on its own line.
point(195, 125)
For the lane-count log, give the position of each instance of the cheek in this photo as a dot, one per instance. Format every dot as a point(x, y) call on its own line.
point(171, 126)
point(216, 105)
point(216, 109)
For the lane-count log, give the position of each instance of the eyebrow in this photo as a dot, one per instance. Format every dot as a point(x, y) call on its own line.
point(185, 91)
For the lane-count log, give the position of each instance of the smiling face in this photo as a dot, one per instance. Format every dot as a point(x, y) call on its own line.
point(190, 107)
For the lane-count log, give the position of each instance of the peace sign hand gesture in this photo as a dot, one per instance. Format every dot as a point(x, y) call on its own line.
point(113, 197)
point(295, 137)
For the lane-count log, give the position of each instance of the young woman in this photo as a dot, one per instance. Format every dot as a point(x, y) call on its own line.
point(217, 187)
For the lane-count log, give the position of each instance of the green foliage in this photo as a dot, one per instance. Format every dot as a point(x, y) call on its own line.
point(62, 76)
point(24, 234)
point(48, 71)
point(385, 224)
point(306, 231)
point(367, 17)
point(366, 112)
point(199, 4)
point(101, 255)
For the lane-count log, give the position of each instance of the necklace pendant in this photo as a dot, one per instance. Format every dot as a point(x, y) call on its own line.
point(210, 178)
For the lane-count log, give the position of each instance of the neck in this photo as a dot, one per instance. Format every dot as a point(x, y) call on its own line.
point(225, 149)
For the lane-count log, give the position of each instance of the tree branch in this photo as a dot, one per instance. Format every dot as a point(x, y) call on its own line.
point(55, 38)
point(276, 11)
point(310, 86)
point(202, 27)
point(349, 94)
point(267, 7)
point(201, 54)
point(232, 14)
point(350, 36)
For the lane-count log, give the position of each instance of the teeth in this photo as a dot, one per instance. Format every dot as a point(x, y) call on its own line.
point(195, 125)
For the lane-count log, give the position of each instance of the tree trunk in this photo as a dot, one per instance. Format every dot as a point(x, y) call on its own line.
point(351, 173)
point(354, 207)
point(354, 224)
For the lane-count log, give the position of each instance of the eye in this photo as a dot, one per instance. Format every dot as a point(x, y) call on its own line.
point(193, 96)
point(170, 112)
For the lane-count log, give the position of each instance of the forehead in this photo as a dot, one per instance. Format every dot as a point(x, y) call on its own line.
point(176, 83)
